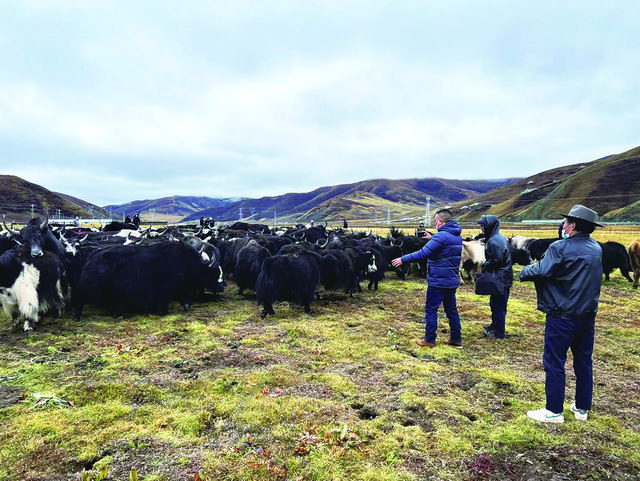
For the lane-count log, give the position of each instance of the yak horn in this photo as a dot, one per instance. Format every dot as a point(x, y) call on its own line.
point(12, 231)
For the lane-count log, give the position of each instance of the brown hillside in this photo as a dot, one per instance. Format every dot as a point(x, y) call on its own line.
point(19, 199)
point(619, 184)
point(610, 185)
point(518, 196)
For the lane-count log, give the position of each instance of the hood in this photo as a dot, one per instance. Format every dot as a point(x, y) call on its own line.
point(452, 227)
point(491, 225)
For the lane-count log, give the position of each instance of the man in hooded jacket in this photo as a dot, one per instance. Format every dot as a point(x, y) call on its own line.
point(498, 259)
point(443, 253)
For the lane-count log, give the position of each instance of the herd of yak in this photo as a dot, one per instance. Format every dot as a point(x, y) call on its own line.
point(121, 268)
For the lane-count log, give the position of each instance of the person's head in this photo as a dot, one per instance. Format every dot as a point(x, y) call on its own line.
point(441, 217)
point(489, 224)
point(580, 220)
point(573, 225)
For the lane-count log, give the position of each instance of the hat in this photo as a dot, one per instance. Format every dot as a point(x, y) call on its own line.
point(583, 213)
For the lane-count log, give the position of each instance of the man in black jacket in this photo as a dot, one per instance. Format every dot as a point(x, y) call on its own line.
point(567, 281)
point(498, 259)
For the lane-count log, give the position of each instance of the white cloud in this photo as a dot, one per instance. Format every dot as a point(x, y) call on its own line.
point(252, 99)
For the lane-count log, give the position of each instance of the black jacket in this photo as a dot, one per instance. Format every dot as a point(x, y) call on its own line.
point(496, 250)
point(568, 278)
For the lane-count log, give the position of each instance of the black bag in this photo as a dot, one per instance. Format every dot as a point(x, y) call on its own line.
point(489, 283)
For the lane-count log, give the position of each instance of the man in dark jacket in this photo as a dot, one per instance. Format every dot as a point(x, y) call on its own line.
point(498, 259)
point(443, 253)
point(567, 281)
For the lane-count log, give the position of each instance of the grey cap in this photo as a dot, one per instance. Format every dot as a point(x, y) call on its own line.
point(583, 213)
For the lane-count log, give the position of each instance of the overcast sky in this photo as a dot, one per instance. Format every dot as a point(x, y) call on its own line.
point(113, 101)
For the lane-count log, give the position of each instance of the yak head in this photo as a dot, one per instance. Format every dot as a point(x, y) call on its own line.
point(32, 236)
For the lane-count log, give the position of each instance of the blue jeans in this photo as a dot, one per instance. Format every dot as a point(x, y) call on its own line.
point(446, 297)
point(560, 335)
point(498, 305)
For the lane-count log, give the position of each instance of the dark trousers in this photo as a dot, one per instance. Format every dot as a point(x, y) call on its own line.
point(498, 305)
point(560, 335)
point(446, 297)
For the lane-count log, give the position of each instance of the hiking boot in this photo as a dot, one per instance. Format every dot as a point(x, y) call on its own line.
point(580, 414)
point(492, 334)
point(545, 416)
point(449, 342)
point(423, 343)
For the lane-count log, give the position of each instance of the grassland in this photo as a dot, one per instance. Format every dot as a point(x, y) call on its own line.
point(341, 394)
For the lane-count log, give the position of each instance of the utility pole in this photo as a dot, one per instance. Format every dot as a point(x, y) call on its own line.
point(274, 219)
point(240, 214)
point(427, 213)
point(32, 206)
point(388, 215)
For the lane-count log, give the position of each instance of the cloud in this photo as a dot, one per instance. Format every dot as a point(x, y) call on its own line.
point(149, 99)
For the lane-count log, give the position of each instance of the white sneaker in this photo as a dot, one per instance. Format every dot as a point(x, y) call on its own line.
point(545, 416)
point(580, 414)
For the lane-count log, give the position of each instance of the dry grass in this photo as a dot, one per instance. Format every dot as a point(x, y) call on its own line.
point(343, 393)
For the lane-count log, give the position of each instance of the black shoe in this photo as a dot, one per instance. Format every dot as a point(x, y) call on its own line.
point(492, 334)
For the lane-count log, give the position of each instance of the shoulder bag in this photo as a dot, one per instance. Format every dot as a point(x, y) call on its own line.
point(489, 283)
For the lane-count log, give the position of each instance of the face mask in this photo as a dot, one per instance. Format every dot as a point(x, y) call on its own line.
point(564, 234)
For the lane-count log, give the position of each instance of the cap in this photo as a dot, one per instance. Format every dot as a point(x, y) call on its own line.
point(583, 213)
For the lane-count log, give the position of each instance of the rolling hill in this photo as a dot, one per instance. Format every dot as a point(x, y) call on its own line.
point(610, 185)
point(19, 198)
point(175, 207)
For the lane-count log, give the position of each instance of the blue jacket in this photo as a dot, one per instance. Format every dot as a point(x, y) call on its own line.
point(443, 253)
point(568, 278)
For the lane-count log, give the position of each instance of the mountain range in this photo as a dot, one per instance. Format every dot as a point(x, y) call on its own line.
point(610, 185)
point(360, 200)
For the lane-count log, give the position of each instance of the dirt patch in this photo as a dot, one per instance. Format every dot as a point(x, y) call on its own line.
point(237, 358)
point(10, 395)
point(148, 455)
point(315, 391)
point(416, 415)
point(615, 293)
point(152, 456)
point(553, 465)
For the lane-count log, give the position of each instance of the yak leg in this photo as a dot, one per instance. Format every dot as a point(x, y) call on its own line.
point(28, 323)
point(267, 308)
